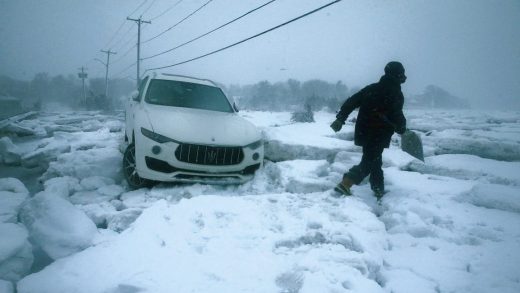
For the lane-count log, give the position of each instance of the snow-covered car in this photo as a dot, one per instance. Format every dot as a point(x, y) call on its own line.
point(184, 129)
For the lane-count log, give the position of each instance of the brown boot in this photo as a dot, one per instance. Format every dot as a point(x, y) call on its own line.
point(344, 186)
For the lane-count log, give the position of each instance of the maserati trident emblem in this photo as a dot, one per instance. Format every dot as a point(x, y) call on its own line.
point(211, 155)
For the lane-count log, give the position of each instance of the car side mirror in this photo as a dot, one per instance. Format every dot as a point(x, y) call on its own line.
point(235, 107)
point(135, 96)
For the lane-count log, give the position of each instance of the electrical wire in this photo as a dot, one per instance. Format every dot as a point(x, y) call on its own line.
point(179, 22)
point(166, 11)
point(121, 57)
point(123, 24)
point(140, 5)
point(211, 31)
point(249, 38)
point(125, 69)
point(120, 44)
point(148, 8)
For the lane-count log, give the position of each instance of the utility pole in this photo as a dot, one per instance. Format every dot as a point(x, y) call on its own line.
point(106, 71)
point(139, 21)
point(83, 75)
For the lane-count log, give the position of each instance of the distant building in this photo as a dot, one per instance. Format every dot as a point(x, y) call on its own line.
point(9, 106)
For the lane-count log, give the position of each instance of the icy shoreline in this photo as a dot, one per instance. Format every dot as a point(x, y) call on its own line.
point(450, 225)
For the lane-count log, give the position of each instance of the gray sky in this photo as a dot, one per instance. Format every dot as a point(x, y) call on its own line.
point(469, 47)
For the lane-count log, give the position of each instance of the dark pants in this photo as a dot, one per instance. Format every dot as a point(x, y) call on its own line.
point(370, 164)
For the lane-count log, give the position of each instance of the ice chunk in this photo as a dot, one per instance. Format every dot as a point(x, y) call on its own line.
point(45, 154)
point(15, 252)
point(493, 196)
point(506, 151)
point(62, 186)
point(111, 190)
point(470, 167)
point(98, 212)
point(8, 152)
point(120, 221)
point(398, 158)
point(12, 194)
point(88, 197)
point(6, 287)
point(12, 185)
point(105, 162)
point(55, 225)
point(95, 182)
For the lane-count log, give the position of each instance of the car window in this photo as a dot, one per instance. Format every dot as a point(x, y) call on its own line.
point(187, 95)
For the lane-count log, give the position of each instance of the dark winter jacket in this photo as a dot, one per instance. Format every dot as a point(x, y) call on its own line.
point(380, 112)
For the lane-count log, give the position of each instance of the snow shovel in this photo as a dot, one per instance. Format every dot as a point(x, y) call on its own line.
point(411, 142)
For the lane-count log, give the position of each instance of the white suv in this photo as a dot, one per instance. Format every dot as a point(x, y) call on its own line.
point(184, 129)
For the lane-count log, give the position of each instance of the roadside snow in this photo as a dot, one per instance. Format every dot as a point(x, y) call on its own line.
point(279, 242)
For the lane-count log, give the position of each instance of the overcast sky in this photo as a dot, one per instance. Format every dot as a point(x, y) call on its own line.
point(469, 47)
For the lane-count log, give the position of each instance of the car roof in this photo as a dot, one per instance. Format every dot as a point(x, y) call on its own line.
point(184, 78)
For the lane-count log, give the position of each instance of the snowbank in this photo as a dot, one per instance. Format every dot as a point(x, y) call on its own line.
point(230, 244)
point(56, 225)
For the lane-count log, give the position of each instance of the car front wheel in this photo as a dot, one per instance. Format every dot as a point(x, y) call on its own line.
point(130, 170)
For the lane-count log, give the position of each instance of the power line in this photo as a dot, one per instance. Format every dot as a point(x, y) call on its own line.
point(140, 5)
point(211, 31)
point(148, 8)
point(166, 11)
point(252, 37)
point(122, 38)
point(125, 69)
point(124, 54)
point(123, 24)
point(115, 34)
point(181, 21)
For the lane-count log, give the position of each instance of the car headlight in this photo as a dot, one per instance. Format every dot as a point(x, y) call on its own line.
point(255, 144)
point(155, 136)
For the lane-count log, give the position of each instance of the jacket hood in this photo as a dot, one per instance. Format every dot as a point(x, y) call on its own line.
point(201, 126)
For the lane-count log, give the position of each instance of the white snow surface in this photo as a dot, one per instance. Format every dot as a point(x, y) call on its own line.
point(449, 224)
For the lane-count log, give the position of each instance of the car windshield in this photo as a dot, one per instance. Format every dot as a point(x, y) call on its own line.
point(187, 95)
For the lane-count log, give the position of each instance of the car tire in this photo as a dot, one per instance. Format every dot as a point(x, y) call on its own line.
point(129, 169)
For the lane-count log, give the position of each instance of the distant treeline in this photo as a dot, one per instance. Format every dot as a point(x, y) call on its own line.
point(291, 95)
point(66, 90)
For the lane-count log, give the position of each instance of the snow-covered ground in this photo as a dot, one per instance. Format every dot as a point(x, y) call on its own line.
point(451, 224)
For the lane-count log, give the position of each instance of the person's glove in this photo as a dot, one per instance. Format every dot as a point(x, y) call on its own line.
point(336, 125)
point(401, 130)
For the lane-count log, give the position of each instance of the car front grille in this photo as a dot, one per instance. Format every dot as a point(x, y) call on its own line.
point(209, 155)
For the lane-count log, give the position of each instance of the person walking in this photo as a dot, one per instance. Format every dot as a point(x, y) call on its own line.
point(380, 115)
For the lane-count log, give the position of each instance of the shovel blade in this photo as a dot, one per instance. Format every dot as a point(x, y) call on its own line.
point(411, 143)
